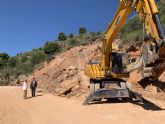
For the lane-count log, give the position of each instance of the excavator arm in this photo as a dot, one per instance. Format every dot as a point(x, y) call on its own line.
point(122, 13)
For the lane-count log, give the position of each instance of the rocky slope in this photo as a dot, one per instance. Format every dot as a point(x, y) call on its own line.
point(64, 75)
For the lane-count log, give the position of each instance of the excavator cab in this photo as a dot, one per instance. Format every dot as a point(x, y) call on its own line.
point(120, 61)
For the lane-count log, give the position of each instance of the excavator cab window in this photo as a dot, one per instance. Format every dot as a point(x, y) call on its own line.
point(119, 62)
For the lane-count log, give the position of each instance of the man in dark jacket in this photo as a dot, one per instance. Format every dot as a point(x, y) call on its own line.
point(33, 87)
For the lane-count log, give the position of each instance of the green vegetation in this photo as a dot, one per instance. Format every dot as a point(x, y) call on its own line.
point(12, 62)
point(25, 63)
point(71, 35)
point(62, 36)
point(82, 30)
point(3, 60)
point(37, 57)
point(161, 7)
point(73, 42)
point(51, 47)
point(132, 31)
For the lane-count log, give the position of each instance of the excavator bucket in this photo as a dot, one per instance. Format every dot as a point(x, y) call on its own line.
point(158, 67)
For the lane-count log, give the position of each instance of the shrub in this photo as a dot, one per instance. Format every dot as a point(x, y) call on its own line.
point(23, 68)
point(73, 42)
point(12, 62)
point(132, 25)
point(61, 36)
point(132, 37)
point(23, 58)
point(37, 58)
point(51, 48)
point(82, 30)
point(71, 35)
point(3, 59)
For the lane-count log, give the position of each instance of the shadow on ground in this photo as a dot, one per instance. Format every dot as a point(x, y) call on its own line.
point(147, 105)
point(33, 97)
point(146, 81)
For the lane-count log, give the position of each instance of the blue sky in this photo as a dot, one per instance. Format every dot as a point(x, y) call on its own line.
point(28, 24)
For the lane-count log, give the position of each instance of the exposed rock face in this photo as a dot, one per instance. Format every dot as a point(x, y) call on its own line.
point(64, 75)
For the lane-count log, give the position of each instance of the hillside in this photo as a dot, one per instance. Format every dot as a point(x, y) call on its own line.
point(64, 75)
point(17, 67)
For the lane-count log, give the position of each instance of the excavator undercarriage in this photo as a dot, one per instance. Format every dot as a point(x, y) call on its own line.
point(110, 89)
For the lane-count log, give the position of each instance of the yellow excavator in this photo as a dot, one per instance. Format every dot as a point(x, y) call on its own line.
point(106, 76)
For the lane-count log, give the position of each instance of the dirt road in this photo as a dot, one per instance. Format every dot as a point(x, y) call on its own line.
point(48, 109)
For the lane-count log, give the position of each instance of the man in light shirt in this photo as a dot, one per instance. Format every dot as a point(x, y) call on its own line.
point(25, 86)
